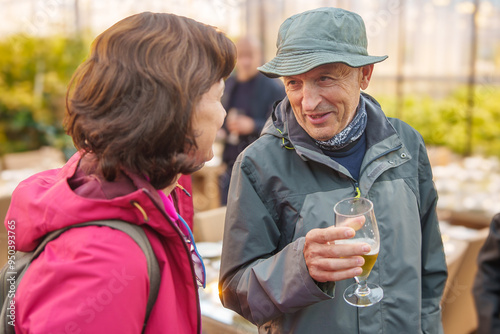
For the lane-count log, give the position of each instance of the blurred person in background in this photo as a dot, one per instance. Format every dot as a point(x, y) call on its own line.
point(280, 267)
point(487, 284)
point(248, 98)
point(143, 109)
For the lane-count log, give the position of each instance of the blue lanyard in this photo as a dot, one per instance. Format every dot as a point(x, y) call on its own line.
point(191, 237)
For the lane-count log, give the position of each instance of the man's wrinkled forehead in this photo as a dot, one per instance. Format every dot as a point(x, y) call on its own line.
point(331, 68)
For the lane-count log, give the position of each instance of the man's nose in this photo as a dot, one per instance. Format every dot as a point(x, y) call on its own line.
point(310, 97)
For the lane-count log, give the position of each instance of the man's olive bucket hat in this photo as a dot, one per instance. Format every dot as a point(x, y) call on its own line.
point(317, 37)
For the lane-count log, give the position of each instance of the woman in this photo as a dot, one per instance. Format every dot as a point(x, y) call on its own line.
point(143, 109)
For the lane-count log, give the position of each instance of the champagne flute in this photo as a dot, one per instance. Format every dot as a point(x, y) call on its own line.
point(233, 138)
point(362, 293)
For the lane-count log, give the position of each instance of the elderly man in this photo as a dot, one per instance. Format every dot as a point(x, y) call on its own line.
point(326, 141)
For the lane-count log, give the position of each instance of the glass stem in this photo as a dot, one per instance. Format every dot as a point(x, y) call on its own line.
point(363, 288)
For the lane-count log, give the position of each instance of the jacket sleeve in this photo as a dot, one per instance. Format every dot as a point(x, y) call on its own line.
point(257, 280)
point(434, 269)
point(89, 280)
point(487, 284)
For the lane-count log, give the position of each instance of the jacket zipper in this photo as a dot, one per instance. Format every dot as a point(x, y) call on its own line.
point(357, 191)
point(188, 251)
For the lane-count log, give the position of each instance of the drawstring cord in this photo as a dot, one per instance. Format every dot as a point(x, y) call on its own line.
point(283, 139)
point(139, 207)
point(183, 189)
point(188, 239)
point(358, 192)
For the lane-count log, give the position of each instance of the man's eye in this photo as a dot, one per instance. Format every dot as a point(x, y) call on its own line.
point(292, 84)
point(326, 81)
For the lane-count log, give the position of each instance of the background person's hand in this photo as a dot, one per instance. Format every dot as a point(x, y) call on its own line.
point(240, 124)
point(245, 125)
point(330, 262)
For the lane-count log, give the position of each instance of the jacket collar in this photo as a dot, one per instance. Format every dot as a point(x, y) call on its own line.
point(45, 202)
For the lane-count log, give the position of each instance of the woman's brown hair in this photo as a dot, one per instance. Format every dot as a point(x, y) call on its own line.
point(130, 103)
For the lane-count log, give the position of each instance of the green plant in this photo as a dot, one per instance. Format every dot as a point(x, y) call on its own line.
point(34, 73)
point(443, 122)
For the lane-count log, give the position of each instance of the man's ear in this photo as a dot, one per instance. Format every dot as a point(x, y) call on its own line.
point(366, 72)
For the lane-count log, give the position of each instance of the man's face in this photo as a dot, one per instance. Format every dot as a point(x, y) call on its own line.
point(324, 100)
point(248, 59)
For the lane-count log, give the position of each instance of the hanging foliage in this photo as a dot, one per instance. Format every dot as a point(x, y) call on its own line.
point(34, 73)
point(442, 122)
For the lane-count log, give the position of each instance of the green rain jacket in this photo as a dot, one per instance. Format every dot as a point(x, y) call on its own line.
point(283, 186)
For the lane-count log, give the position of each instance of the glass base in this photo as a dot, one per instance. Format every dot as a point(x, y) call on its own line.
point(373, 296)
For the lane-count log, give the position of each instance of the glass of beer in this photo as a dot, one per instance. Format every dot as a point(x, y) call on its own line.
point(350, 212)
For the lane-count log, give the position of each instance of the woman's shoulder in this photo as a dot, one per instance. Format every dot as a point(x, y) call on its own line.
point(99, 242)
point(86, 276)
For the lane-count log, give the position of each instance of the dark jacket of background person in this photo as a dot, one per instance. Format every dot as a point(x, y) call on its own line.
point(283, 186)
point(487, 284)
point(264, 94)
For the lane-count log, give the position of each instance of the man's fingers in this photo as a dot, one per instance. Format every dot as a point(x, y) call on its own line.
point(335, 276)
point(332, 269)
point(328, 260)
point(333, 264)
point(329, 234)
point(318, 253)
point(345, 271)
point(355, 223)
point(345, 250)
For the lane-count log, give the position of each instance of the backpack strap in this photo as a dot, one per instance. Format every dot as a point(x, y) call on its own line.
point(134, 231)
point(12, 275)
point(139, 236)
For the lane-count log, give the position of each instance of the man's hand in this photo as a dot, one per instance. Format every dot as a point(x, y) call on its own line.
point(240, 124)
point(330, 262)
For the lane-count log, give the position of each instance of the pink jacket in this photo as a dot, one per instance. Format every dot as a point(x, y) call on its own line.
point(94, 279)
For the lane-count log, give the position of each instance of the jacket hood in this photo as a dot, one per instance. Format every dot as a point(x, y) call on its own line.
point(276, 125)
point(46, 202)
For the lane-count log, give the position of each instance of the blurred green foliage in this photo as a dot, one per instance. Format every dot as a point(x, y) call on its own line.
point(443, 122)
point(34, 74)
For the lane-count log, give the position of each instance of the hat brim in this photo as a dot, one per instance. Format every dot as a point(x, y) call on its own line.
point(285, 65)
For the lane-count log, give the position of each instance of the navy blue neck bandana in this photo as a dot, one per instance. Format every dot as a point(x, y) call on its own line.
point(351, 133)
